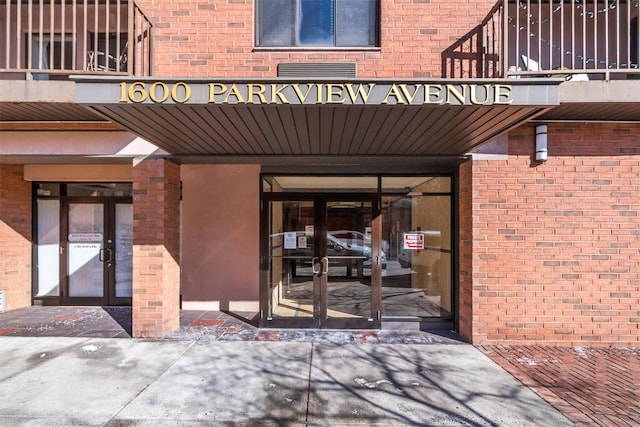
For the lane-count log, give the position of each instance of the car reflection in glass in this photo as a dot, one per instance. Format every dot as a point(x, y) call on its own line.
point(345, 248)
point(359, 238)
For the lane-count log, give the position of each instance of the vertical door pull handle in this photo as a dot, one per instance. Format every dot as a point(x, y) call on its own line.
point(108, 253)
point(325, 265)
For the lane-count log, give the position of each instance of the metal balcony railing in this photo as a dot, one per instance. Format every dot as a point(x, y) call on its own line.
point(575, 39)
point(52, 39)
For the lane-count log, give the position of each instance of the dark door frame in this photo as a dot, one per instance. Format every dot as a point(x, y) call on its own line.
point(320, 318)
point(108, 255)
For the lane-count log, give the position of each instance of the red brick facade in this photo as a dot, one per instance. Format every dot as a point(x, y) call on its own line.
point(15, 237)
point(548, 252)
point(465, 272)
point(556, 246)
point(156, 248)
point(216, 39)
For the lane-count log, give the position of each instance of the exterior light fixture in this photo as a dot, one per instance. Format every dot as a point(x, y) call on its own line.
point(541, 143)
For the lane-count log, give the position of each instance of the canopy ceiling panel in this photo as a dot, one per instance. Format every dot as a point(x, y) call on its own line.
point(316, 130)
point(46, 111)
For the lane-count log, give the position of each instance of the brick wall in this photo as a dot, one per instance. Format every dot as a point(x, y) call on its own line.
point(465, 221)
point(15, 237)
point(556, 246)
point(156, 248)
point(215, 38)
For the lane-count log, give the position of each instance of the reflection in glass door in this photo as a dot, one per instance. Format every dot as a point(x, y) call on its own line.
point(96, 260)
point(417, 284)
point(358, 251)
point(123, 251)
point(86, 252)
point(291, 258)
point(322, 263)
point(352, 265)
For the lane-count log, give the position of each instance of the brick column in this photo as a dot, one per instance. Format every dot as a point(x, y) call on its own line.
point(465, 212)
point(156, 248)
point(15, 237)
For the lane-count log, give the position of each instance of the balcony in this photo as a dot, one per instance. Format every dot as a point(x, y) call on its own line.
point(572, 39)
point(52, 39)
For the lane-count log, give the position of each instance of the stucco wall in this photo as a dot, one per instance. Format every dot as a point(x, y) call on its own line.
point(72, 143)
point(220, 236)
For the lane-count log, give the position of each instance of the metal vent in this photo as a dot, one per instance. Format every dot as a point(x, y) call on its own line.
point(317, 69)
point(1, 301)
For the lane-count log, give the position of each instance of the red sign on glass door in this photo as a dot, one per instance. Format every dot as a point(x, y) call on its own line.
point(414, 241)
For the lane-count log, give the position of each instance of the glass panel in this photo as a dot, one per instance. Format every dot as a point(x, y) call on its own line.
point(276, 22)
point(634, 51)
point(266, 184)
point(342, 184)
point(48, 248)
point(290, 257)
point(100, 189)
point(316, 22)
point(46, 189)
point(40, 59)
point(108, 61)
point(349, 259)
point(357, 22)
point(86, 234)
point(416, 184)
point(124, 250)
point(417, 280)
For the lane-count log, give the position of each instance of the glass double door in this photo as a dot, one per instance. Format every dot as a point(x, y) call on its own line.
point(323, 262)
point(96, 251)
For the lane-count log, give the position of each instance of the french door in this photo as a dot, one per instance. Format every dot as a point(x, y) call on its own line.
point(96, 250)
point(322, 263)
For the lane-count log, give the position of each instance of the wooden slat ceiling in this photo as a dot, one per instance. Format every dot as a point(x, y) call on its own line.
point(270, 130)
point(338, 130)
point(610, 111)
point(46, 112)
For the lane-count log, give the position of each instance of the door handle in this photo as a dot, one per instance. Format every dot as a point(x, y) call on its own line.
point(108, 258)
point(325, 264)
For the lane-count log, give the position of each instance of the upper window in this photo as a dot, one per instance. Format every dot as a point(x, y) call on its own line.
point(322, 23)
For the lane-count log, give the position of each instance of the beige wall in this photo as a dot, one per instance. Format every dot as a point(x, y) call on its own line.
point(77, 143)
point(220, 236)
point(78, 173)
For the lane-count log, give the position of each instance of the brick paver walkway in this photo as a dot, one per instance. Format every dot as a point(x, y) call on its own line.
point(591, 386)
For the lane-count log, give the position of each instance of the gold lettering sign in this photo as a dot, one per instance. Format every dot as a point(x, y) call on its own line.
point(316, 93)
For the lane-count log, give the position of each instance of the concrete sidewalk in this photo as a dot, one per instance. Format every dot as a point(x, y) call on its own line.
point(48, 381)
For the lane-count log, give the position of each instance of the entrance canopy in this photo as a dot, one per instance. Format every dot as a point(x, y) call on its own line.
point(317, 118)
